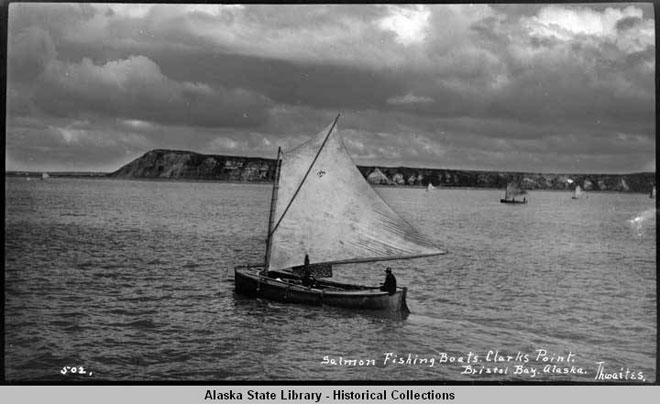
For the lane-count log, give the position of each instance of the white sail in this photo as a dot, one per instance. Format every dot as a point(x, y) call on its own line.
point(578, 192)
point(653, 192)
point(513, 190)
point(335, 216)
point(44, 176)
point(430, 187)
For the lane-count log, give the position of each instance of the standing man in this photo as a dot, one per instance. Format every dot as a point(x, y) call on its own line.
point(307, 279)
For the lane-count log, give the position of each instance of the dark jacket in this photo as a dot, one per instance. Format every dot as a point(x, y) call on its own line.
point(390, 284)
point(307, 278)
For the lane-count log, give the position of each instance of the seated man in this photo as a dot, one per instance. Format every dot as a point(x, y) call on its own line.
point(390, 282)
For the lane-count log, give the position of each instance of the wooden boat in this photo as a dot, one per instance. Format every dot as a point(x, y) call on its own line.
point(287, 287)
point(579, 193)
point(513, 190)
point(323, 208)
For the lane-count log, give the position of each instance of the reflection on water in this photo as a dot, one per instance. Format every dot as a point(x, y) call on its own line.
point(643, 222)
point(134, 281)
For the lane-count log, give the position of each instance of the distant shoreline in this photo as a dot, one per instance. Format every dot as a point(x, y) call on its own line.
point(108, 176)
point(53, 174)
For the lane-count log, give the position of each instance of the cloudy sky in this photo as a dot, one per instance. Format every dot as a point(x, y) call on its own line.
point(537, 88)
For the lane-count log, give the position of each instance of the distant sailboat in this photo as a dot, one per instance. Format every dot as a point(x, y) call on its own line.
point(44, 176)
point(652, 196)
point(513, 190)
point(430, 187)
point(579, 193)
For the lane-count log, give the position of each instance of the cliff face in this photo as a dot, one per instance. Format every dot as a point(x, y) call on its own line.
point(175, 164)
point(638, 182)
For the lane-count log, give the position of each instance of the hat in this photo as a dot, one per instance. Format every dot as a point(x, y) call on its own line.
point(388, 269)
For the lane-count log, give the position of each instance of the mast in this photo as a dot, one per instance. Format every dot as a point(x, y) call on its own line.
point(273, 200)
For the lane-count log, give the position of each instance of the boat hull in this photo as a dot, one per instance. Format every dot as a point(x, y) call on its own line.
point(284, 287)
point(510, 201)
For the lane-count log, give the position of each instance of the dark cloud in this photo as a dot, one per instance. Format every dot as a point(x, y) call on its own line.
point(287, 82)
point(627, 23)
point(136, 88)
point(28, 54)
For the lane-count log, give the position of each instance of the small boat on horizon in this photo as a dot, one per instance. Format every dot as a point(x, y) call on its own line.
point(652, 195)
point(44, 176)
point(324, 213)
point(430, 187)
point(579, 193)
point(513, 190)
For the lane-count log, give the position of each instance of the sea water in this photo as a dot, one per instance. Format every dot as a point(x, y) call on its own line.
point(133, 281)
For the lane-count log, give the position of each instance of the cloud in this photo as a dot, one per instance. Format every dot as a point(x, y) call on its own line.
point(552, 67)
point(566, 22)
point(627, 23)
point(347, 35)
point(408, 23)
point(623, 27)
point(28, 54)
point(408, 99)
point(136, 11)
point(135, 88)
point(138, 124)
point(65, 144)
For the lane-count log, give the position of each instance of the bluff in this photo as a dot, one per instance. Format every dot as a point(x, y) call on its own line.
point(177, 164)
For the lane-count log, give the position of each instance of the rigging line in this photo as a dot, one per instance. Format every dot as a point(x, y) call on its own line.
point(306, 174)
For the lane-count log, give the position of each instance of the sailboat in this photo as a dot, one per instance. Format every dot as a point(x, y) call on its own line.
point(324, 209)
point(430, 187)
point(652, 195)
point(579, 193)
point(44, 176)
point(513, 190)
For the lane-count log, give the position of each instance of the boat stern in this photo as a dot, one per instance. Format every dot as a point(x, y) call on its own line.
point(404, 306)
